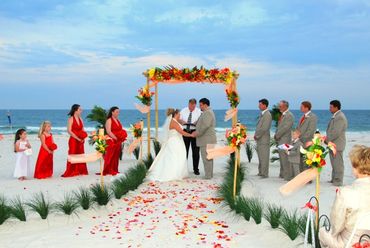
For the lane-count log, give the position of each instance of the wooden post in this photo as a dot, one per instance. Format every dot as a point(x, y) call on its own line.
point(101, 174)
point(156, 111)
point(148, 117)
point(236, 166)
point(318, 199)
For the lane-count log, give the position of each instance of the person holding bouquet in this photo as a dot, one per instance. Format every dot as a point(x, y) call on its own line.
point(44, 164)
point(117, 135)
point(76, 142)
point(294, 154)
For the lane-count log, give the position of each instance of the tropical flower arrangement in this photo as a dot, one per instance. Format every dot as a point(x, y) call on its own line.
point(236, 136)
point(233, 98)
point(315, 153)
point(194, 74)
point(145, 96)
point(100, 141)
point(137, 129)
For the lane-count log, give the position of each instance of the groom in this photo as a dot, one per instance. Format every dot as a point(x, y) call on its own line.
point(206, 134)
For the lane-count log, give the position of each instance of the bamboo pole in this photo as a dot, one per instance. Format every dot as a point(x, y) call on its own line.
point(148, 117)
point(101, 174)
point(318, 199)
point(236, 166)
point(156, 111)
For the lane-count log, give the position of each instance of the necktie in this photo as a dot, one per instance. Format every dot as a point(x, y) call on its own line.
point(189, 121)
point(302, 119)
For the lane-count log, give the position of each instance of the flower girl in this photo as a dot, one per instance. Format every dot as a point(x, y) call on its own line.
point(22, 148)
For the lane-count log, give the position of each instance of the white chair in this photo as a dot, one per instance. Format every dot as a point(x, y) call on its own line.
point(362, 223)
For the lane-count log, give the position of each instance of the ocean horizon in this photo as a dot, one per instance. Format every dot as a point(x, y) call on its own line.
point(30, 119)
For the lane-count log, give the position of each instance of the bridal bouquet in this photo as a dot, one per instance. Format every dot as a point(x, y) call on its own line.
point(137, 130)
point(100, 141)
point(145, 96)
point(315, 153)
point(233, 98)
point(236, 136)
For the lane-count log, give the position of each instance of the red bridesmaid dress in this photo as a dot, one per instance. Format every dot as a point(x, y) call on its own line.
point(76, 147)
point(113, 150)
point(44, 164)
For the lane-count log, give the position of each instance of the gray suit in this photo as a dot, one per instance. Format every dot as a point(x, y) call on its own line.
point(294, 158)
point(307, 128)
point(336, 133)
point(262, 136)
point(206, 135)
point(283, 135)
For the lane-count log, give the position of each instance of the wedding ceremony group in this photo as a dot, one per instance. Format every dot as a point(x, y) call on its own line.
point(219, 124)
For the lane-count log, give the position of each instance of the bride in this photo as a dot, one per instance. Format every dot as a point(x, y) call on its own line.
point(170, 163)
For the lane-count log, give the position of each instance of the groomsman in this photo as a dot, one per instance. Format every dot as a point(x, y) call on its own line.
point(262, 138)
point(206, 134)
point(283, 135)
point(188, 118)
point(336, 133)
point(307, 126)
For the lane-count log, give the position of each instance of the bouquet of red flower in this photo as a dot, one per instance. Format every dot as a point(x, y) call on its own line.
point(53, 147)
point(145, 96)
point(233, 98)
point(315, 154)
point(121, 135)
point(81, 134)
point(237, 135)
point(137, 129)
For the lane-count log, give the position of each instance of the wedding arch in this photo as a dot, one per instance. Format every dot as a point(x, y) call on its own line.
point(172, 75)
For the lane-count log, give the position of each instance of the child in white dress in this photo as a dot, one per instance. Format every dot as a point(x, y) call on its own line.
point(22, 149)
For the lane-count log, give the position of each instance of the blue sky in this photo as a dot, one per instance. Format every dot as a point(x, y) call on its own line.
point(55, 53)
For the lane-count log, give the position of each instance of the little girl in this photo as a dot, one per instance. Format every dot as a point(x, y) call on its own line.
point(22, 164)
point(44, 164)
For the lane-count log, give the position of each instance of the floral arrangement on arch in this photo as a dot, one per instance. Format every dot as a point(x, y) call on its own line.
point(145, 96)
point(236, 136)
point(316, 152)
point(100, 140)
point(195, 74)
point(137, 129)
point(233, 98)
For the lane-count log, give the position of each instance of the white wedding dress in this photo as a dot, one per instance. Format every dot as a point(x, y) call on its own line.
point(170, 163)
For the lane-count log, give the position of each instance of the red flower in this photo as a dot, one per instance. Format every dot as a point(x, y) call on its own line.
point(323, 162)
point(53, 147)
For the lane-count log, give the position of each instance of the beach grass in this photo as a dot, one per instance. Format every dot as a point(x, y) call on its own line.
point(17, 208)
point(69, 205)
point(256, 206)
point(5, 211)
point(83, 197)
point(100, 195)
point(290, 224)
point(39, 204)
point(273, 215)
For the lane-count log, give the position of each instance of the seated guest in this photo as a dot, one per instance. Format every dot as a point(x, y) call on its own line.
point(351, 203)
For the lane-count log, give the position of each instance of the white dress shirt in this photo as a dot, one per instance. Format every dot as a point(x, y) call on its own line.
point(184, 115)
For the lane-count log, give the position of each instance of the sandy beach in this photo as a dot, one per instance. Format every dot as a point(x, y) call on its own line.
point(184, 213)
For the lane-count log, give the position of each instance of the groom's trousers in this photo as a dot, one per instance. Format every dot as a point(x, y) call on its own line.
point(208, 164)
point(194, 149)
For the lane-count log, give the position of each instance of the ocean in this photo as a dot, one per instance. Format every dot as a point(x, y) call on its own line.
point(359, 120)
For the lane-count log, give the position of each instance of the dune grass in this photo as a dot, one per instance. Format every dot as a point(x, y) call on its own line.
point(256, 206)
point(69, 205)
point(39, 204)
point(157, 146)
point(273, 215)
point(83, 197)
point(100, 195)
point(290, 224)
point(5, 211)
point(17, 208)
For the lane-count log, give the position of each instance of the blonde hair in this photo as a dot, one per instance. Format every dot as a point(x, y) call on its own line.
point(360, 159)
point(42, 127)
point(172, 112)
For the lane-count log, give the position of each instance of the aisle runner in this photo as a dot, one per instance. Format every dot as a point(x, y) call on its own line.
point(186, 213)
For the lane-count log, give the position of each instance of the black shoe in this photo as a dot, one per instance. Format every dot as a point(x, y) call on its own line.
point(196, 173)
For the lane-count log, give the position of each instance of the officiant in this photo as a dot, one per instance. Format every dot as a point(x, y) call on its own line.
point(188, 118)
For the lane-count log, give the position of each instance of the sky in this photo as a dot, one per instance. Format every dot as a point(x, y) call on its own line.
point(56, 53)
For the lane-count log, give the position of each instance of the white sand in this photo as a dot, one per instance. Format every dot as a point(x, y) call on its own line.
point(152, 215)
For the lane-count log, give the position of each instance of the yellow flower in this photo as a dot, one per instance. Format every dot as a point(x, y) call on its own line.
point(318, 151)
point(310, 155)
point(309, 162)
point(151, 72)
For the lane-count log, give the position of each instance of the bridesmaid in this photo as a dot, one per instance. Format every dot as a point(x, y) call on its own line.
point(44, 164)
point(117, 135)
point(76, 142)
